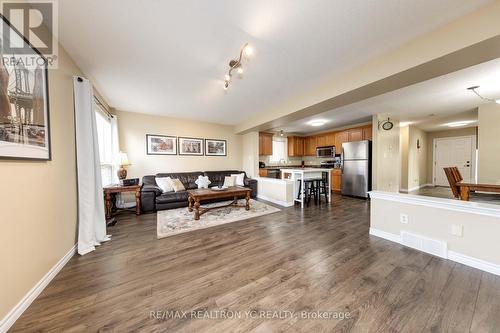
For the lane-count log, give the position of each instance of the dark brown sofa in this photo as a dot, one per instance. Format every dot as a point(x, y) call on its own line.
point(153, 199)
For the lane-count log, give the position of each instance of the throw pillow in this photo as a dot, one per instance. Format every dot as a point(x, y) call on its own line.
point(240, 177)
point(229, 181)
point(164, 184)
point(177, 185)
point(202, 182)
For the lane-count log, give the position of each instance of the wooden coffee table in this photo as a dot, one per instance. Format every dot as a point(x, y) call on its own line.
point(235, 192)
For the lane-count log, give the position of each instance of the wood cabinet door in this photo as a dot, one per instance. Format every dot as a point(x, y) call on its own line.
point(265, 144)
point(300, 146)
point(310, 146)
point(330, 139)
point(336, 180)
point(355, 134)
point(340, 138)
point(367, 132)
point(321, 140)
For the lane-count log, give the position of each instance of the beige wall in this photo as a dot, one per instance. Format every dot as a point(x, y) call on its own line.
point(489, 143)
point(133, 128)
point(442, 134)
point(250, 153)
point(417, 158)
point(386, 158)
point(480, 232)
point(404, 137)
point(38, 204)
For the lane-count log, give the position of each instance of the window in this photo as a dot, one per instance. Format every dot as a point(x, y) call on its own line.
point(105, 138)
point(279, 150)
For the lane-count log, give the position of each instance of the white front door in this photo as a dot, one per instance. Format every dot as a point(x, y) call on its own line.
point(453, 152)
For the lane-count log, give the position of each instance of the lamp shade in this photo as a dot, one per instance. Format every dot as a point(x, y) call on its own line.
point(124, 159)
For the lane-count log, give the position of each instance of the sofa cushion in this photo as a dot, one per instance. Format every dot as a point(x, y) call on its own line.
point(187, 178)
point(172, 197)
point(217, 177)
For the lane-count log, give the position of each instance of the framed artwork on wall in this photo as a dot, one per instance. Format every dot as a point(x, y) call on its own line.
point(190, 146)
point(161, 145)
point(215, 147)
point(24, 99)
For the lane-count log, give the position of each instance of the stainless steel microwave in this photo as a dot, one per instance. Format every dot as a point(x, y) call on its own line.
point(328, 151)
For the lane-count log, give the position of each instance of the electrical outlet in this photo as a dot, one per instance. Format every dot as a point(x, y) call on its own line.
point(403, 218)
point(457, 230)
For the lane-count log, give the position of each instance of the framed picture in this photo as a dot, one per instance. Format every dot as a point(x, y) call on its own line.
point(24, 101)
point(161, 145)
point(215, 147)
point(190, 146)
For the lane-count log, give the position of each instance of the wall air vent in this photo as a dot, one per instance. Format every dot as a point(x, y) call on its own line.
point(432, 246)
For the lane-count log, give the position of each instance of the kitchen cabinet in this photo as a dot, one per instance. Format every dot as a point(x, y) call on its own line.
point(295, 146)
point(330, 139)
point(310, 144)
point(336, 180)
point(263, 173)
point(265, 143)
point(367, 132)
point(355, 134)
point(321, 140)
point(340, 138)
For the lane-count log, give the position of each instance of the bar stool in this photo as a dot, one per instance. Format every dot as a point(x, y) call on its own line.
point(322, 187)
point(310, 190)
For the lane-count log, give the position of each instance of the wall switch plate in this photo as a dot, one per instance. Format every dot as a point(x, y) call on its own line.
point(457, 230)
point(403, 218)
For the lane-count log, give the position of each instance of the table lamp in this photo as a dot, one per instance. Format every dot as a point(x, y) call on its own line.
point(122, 172)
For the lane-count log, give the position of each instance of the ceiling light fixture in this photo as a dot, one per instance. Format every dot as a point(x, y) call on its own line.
point(474, 88)
point(317, 122)
point(235, 64)
point(459, 123)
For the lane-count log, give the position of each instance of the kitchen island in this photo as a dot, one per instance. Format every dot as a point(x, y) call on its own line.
point(298, 175)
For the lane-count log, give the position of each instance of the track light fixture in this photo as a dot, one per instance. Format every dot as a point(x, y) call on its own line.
point(474, 88)
point(236, 64)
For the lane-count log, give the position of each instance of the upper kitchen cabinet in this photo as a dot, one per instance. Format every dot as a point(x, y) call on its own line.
point(340, 138)
point(355, 134)
point(265, 143)
point(367, 132)
point(295, 146)
point(310, 144)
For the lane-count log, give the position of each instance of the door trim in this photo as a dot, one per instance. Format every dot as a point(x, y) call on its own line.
point(474, 153)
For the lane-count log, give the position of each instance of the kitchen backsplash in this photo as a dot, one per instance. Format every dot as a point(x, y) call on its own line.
point(308, 160)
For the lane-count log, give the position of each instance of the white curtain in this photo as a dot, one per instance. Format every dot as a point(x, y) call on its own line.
point(91, 218)
point(115, 149)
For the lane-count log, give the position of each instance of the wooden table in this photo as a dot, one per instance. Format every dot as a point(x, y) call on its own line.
point(466, 188)
point(113, 189)
point(235, 192)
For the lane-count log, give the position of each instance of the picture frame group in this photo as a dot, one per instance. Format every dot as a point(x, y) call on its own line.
point(173, 145)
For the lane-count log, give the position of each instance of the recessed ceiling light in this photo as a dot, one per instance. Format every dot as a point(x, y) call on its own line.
point(317, 122)
point(459, 123)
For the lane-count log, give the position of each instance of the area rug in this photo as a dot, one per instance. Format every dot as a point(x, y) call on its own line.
point(176, 221)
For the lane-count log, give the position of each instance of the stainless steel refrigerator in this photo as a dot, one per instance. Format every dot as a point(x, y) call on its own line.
point(356, 168)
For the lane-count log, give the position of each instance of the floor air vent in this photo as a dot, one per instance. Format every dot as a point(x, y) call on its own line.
point(424, 244)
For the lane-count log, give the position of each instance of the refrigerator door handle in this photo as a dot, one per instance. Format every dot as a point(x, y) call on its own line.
point(342, 161)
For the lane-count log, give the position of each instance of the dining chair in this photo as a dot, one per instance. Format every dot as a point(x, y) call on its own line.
point(453, 175)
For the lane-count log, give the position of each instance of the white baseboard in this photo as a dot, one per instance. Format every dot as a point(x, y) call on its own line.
point(274, 201)
point(451, 255)
point(474, 262)
point(26, 301)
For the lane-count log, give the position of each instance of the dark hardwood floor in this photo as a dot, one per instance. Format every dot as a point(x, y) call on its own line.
point(316, 260)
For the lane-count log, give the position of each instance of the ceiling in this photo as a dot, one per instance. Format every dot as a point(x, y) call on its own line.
point(428, 105)
point(169, 57)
